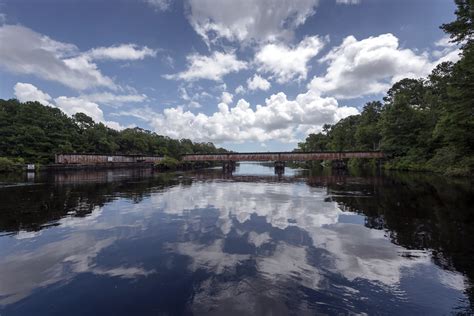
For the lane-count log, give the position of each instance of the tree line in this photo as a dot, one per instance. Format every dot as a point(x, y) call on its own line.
point(425, 124)
point(34, 133)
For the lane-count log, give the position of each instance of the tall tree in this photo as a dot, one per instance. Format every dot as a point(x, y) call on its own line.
point(462, 29)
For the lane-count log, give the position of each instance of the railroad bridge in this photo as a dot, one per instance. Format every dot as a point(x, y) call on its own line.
point(279, 158)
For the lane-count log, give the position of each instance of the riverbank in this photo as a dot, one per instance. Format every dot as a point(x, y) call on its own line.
point(9, 165)
point(463, 168)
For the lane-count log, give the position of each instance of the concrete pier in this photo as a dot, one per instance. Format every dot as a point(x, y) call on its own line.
point(279, 167)
point(339, 164)
point(228, 166)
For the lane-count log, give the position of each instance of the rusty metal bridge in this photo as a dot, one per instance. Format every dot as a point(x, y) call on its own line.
point(229, 159)
point(285, 156)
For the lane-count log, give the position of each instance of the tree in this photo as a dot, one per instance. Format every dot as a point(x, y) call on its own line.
point(314, 142)
point(367, 134)
point(83, 120)
point(412, 88)
point(341, 136)
point(462, 29)
point(456, 121)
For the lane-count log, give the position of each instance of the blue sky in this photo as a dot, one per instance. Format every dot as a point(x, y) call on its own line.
point(246, 75)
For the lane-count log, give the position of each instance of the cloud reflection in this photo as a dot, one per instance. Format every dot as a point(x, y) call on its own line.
point(250, 246)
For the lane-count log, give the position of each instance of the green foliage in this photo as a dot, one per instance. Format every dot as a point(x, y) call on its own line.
point(36, 133)
point(367, 134)
point(462, 29)
point(10, 165)
point(168, 163)
point(314, 142)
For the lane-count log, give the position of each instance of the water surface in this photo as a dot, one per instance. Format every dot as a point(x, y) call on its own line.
point(134, 242)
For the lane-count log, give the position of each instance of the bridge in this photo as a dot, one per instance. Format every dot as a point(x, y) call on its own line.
point(229, 159)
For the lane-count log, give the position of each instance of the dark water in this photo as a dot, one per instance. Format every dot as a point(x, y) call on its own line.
point(136, 243)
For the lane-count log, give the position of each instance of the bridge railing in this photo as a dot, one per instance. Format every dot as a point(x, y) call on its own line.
point(285, 156)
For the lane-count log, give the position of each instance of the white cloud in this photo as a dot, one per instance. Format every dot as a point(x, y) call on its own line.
point(278, 119)
point(159, 5)
point(121, 52)
point(258, 83)
point(226, 97)
point(193, 95)
point(73, 105)
point(446, 50)
point(82, 64)
point(213, 67)
point(445, 41)
point(286, 63)
point(32, 53)
point(27, 92)
point(239, 90)
point(370, 66)
point(168, 60)
point(248, 20)
point(114, 99)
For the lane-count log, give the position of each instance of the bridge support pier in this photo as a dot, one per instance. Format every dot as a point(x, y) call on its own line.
point(339, 164)
point(380, 163)
point(279, 167)
point(228, 166)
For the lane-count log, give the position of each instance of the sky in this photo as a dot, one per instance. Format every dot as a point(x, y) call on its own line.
point(245, 75)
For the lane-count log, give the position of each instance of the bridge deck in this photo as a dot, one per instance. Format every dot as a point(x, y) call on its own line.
point(284, 156)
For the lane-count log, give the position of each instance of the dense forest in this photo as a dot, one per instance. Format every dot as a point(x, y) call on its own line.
point(33, 132)
point(424, 124)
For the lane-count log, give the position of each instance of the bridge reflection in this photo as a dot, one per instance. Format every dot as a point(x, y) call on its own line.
point(317, 181)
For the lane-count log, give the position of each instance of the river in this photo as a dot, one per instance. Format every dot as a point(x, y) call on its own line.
point(133, 242)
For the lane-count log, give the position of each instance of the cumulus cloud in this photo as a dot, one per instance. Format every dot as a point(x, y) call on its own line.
point(213, 67)
point(73, 105)
point(27, 92)
point(226, 97)
point(286, 63)
point(239, 90)
point(69, 105)
point(258, 83)
point(370, 66)
point(248, 20)
point(121, 52)
point(278, 119)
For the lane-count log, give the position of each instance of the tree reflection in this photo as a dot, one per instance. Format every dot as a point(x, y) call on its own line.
point(419, 211)
point(35, 206)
